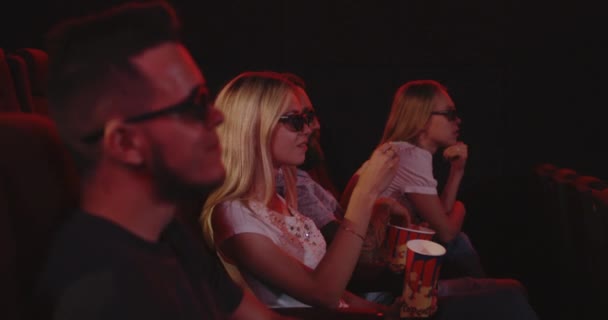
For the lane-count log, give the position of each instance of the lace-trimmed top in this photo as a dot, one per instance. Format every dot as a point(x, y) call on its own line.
point(296, 234)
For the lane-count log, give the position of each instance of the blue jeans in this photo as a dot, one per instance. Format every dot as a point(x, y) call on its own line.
point(473, 298)
point(461, 259)
point(494, 299)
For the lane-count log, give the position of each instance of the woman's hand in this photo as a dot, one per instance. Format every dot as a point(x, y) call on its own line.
point(457, 155)
point(398, 214)
point(379, 170)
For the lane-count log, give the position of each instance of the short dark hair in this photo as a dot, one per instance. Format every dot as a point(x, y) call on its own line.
point(90, 60)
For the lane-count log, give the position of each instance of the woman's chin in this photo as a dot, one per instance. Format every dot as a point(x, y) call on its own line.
point(451, 142)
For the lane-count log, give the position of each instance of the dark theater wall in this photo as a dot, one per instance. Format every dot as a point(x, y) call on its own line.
point(526, 76)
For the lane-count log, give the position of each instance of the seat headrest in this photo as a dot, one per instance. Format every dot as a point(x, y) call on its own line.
point(8, 97)
point(31, 147)
point(21, 79)
point(37, 171)
point(39, 188)
point(37, 63)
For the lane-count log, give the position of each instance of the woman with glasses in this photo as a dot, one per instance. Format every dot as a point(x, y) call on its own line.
point(422, 121)
point(260, 236)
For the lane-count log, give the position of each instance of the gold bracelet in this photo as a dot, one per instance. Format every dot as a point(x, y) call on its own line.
point(353, 232)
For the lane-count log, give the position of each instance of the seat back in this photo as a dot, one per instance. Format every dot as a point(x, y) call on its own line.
point(586, 218)
point(543, 174)
point(21, 79)
point(8, 265)
point(600, 209)
point(36, 61)
point(38, 188)
point(8, 98)
point(561, 178)
point(586, 232)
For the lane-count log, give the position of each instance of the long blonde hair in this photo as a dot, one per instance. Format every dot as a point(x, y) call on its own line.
point(252, 104)
point(411, 109)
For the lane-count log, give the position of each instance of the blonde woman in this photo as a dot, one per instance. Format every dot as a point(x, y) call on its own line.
point(279, 253)
point(422, 121)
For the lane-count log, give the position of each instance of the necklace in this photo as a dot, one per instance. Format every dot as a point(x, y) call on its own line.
point(305, 233)
point(293, 223)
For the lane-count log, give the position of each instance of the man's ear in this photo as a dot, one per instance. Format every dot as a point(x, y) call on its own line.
point(123, 143)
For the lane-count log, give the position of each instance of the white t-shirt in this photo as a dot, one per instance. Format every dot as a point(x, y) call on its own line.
point(297, 235)
point(414, 175)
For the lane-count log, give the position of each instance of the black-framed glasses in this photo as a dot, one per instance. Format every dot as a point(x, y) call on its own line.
point(451, 115)
point(296, 121)
point(195, 106)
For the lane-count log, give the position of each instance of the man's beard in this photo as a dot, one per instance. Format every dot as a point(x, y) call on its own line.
point(172, 188)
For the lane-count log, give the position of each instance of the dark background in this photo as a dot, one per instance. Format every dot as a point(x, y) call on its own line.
point(526, 76)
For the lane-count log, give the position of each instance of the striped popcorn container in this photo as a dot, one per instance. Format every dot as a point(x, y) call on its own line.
point(424, 259)
point(394, 247)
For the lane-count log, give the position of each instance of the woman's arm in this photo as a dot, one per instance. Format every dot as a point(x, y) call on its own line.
point(457, 155)
point(262, 258)
point(447, 224)
point(325, 285)
point(296, 279)
point(444, 213)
